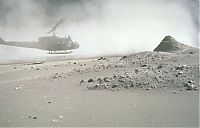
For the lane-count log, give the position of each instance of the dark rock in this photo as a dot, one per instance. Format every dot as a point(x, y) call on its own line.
point(147, 88)
point(190, 86)
point(136, 71)
point(113, 86)
point(180, 67)
point(161, 66)
point(190, 81)
point(102, 58)
point(124, 57)
point(34, 117)
point(180, 73)
point(90, 80)
point(144, 65)
point(106, 79)
point(81, 81)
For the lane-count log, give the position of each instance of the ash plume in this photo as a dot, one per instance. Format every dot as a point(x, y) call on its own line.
point(106, 27)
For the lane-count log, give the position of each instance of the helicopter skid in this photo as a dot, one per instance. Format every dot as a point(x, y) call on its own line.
point(62, 52)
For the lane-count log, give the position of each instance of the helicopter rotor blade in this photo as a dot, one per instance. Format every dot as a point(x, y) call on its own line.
point(53, 29)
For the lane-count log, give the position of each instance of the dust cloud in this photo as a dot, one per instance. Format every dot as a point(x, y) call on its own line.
point(102, 27)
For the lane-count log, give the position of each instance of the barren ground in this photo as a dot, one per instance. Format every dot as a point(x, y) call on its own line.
point(52, 94)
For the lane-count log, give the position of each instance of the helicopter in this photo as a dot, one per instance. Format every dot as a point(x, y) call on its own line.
point(50, 43)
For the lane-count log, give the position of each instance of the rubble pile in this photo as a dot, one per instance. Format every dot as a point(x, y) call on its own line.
point(148, 77)
point(147, 56)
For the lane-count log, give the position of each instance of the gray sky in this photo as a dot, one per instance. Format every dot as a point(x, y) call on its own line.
point(103, 26)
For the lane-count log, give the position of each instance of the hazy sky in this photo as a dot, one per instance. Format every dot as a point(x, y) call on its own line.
point(103, 26)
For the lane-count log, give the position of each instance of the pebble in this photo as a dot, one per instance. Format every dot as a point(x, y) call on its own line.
point(34, 117)
point(180, 73)
point(136, 71)
point(147, 89)
point(190, 87)
point(81, 81)
point(106, 79)
point(17, 87)
point(54, 121)
point(190, 81)
point(60, 117)
point(174, 92)
point(21, 117)
point(90, 80)
point(144, 65)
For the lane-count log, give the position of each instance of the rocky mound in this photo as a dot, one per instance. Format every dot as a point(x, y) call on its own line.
point(169, 44)
point(1, 40)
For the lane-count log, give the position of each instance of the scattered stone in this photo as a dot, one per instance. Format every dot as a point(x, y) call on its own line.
point(18, 87)
point(113, 86)
point(54, 121)
point(100, 80)
point(160, 66)
point(179, 67)
point(22, 117)
point(60, 117)
point(180, 73)
point(106, 79)
point(190, 81)
point(174, 92)
point(191, 87)
point(81, 81)
point(90, 80)
point(136, 71)
point(35, 117)
point(144, 65)
point(102, 58)
point(147, 89)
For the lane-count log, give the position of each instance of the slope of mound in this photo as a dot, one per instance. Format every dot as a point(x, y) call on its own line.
point(1, 40)
point(169, 44)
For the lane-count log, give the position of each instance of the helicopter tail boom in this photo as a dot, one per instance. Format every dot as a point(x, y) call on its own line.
point(19, 44)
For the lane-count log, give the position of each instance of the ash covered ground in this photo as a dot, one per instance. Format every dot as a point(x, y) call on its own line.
point(171, 64)
point(157, 88)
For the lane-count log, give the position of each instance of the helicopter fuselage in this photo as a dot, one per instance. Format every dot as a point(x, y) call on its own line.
point(50, 43)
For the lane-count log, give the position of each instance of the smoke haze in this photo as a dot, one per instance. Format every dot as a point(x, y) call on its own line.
point(102, 27)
